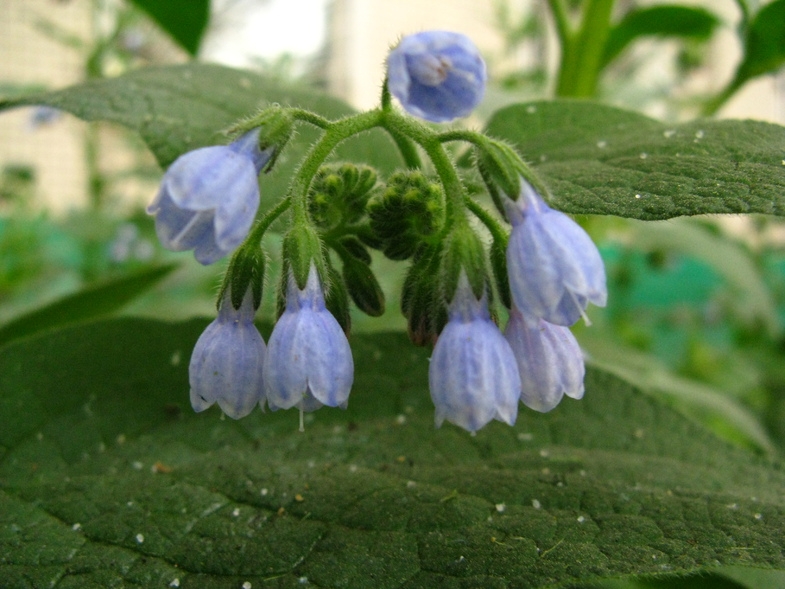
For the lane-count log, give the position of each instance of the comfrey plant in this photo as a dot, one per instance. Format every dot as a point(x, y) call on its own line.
point(545, 271)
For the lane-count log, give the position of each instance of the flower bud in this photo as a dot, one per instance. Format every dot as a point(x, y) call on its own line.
point(437, 75)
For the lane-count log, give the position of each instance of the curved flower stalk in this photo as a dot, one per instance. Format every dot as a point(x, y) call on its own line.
point(549, 360)
point(437, 75)
point(209, 197)
point(554, 268)
point(473, 376)
point(227, 362)
point(308, 362)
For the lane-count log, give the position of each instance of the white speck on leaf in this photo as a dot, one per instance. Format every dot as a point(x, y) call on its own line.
point(247, 585)
point(581, 519)
point(644, 155)
point(531, 109)
point(76, 527)
point(140, 538)
point(236, 512)
point(536, 504)
point(699, 134)
point(602, 144)
point(501, 507)
point(175, 582)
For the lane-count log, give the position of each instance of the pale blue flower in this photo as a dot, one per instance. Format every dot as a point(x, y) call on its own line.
point(209, 197)
point(308, 362)
point(437, 75)
point(554, 268)
point(473, 376)
point(549, 361)
point(227, 362)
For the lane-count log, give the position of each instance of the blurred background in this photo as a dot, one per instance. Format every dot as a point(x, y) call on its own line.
point(696, 305)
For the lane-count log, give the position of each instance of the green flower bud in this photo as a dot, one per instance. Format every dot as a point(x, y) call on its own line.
point(360, 280)
point(339, 194)
point(421, 300)
point(336, 299)
point(406, 214)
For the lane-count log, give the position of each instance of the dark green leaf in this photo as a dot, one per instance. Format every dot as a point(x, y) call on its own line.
point(661, 21)
point(604, 160)
point(184, 20)
point(108, 478)
point(764, 47)
point(95, 301)
point(179, 108)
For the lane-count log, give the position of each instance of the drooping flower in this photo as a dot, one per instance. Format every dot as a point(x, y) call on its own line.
point(549, 360)
point(227, 362)
point(473, 376)
point(209, 197)
point(437, 75)
point(554, 268)
point(308, 362)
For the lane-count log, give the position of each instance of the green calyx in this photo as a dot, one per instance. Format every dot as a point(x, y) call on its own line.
point(464, 252)
point(246, 271)
point(276, 127)
point(302, 247)
point(421, 300)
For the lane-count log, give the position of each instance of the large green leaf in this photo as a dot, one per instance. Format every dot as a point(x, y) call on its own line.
point(179, 108)
point(604, 160)
point(94, 301)
point(660, 21)
point(107, 478)
point(184, 20)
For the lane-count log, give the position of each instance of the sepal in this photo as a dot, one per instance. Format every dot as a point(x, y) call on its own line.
point(245, 272)
point(463, 253)
point(302, 247)
point(276, 127)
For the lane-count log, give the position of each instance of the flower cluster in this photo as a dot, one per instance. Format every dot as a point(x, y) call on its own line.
point(547, 271)
point(307, 363)
point(554, 271)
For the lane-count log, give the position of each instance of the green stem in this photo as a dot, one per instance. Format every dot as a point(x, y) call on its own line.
point(258, 231)
point(582, 51)
point(307, 116)
point(386, 97)
point(407, 150)
point(495, 228)
point(716, 103)
point(562, 21)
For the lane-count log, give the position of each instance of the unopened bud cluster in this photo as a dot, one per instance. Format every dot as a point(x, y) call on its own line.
point(544, 269)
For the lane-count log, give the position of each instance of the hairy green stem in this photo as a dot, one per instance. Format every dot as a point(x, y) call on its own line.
point(497, 231)
point(307, 116)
